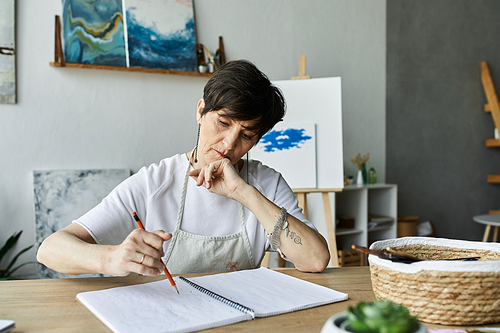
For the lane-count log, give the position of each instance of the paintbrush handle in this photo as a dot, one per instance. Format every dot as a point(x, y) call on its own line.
point(403, 254)
point(367, 250)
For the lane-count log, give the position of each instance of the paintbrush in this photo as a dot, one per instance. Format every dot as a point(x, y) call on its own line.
point(385, 254)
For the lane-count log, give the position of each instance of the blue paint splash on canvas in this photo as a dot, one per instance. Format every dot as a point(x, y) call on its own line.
point(284, 140)
point(148, 47)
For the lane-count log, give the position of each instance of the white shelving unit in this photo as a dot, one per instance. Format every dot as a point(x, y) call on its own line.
point(360, 201)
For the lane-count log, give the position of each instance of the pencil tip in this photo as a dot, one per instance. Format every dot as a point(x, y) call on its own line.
point(176, 289)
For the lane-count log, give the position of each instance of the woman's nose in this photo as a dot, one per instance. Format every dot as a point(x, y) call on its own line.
point(231, 139)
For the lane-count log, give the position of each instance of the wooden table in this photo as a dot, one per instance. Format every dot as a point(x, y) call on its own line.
point(51, 306)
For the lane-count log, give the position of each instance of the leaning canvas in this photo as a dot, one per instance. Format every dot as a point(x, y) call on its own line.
point(93, 32)
point(160, 34)
point(62, 196)
point(7, 52)
point(319, 101)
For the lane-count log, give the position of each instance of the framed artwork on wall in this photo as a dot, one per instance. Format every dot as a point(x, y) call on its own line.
point(7, 52)
point(130, 33)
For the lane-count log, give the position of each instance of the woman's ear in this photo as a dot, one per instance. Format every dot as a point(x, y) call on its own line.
point(199, 110)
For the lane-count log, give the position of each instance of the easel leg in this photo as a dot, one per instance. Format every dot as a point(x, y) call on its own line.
point(330, 228)
point(302, 198)
point(265, 260)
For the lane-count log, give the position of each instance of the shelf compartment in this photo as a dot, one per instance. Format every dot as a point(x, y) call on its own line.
point(343, 232)
point(382, 228)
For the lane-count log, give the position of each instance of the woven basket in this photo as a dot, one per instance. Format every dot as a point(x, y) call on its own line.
point(438, 291)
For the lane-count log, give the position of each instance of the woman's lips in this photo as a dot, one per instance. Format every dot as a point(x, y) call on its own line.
point(222, 155)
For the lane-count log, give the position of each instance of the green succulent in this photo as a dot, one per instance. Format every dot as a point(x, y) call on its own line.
point(381, 317)
point(6, 274)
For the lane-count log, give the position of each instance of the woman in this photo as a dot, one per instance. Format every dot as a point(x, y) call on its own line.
point(221, 213)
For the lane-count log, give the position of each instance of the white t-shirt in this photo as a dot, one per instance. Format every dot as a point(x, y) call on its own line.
point(154, 192)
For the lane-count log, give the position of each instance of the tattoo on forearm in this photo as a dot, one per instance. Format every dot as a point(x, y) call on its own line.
point(295, 238)
point(292, 234)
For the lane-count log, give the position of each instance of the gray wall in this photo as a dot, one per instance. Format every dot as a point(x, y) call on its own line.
point(86, 119)
point(436, 126)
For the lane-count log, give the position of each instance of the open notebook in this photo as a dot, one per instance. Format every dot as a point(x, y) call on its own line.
point(204, 302)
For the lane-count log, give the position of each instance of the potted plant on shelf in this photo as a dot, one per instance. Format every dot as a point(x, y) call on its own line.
point(376, 317)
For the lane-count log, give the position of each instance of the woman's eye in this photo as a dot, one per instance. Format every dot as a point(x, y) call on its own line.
point(248, 137)
point(223, 123)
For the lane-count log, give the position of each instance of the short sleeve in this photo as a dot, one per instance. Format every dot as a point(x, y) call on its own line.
point(111, 221)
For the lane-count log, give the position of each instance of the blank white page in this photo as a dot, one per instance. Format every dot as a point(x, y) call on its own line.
point(269, 292)
point(156, 307)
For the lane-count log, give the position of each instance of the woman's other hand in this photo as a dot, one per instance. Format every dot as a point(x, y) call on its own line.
point(219, 177)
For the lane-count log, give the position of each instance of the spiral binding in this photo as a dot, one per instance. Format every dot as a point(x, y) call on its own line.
point(220, 298)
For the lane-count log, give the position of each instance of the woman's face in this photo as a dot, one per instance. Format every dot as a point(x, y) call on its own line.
point(222, 137)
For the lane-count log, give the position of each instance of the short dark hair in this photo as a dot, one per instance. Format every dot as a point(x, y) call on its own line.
point(245, 93)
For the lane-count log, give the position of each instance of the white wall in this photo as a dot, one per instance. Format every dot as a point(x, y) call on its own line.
point(85, 119)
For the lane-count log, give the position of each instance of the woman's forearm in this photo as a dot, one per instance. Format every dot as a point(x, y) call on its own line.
point(73, 251)
point(64, 252)
point(305, 247)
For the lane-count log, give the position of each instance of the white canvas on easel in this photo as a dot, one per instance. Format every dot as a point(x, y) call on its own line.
point(315, 101)
point(290, 149)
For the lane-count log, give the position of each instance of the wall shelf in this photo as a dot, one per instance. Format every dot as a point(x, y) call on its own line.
point(343, 232)
point(492, 143)
point(494, 179)
point(492, 107)
point(129, 69)
point(60, 62)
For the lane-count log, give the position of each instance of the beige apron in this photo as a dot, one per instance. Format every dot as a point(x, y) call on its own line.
point(191, 253)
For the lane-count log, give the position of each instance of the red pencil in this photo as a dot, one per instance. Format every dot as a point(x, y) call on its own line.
point(165, 270)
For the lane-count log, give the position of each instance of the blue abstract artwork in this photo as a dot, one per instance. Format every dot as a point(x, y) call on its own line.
point(160, 34)
point(93, 32)
point(291, 150)
point(284, 140)
point(131, 33)
point(62, 196)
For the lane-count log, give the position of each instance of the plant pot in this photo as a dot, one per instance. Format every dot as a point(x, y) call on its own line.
point(338, 324)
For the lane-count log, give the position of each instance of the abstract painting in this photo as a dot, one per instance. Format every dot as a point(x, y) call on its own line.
point(160, 34)
point(93, 32)
point(131, 33)
point(291, 150)
point(7, 52)
point(62, 196)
